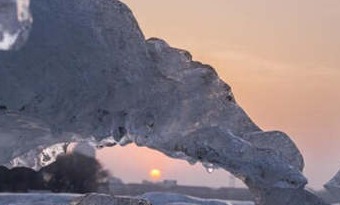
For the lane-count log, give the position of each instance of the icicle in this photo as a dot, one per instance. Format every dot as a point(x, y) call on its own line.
point(210, 168)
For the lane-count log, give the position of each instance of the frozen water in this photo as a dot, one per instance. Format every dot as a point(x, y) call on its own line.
point(87, 72)
point(39, 157)
point(15, 23)
point(67, 199)
point(334, 183)
point(36, 199)
point(160, 198)
point(209, 167)
point(333, 186)
point(7, 40)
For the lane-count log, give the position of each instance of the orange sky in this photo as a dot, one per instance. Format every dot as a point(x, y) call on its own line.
point(282, 59)
point(133, 164)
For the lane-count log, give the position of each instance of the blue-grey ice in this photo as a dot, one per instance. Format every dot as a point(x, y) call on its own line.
point(87, 72)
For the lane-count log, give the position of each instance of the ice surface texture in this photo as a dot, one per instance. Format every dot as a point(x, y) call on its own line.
point(87, 72)
point(37, 199)
point(68, 199)
point(160, 198)
point(333, 186)
point(15, 23)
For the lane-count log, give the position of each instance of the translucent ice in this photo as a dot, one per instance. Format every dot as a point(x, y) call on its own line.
point(87, 72)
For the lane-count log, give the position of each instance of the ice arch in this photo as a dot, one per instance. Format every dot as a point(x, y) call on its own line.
point(87, 72)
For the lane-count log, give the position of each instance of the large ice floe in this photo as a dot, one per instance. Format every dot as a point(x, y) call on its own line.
point(87, 73)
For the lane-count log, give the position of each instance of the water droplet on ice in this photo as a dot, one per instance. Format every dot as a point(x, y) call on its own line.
point(192, 161)
point(210, 170)
point(209, 167)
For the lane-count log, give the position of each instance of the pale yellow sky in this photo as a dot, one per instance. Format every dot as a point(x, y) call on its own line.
point(282, 59)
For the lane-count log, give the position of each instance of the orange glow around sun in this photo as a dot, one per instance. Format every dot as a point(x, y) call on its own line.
point(155, 174)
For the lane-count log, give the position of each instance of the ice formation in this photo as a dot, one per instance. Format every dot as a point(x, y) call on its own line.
point(39, 157)
point(160, 198)
point(68, 199)
point(102, 199)
point(87, 72)
point(334, 182)
point(15, 23)
point(333, 186)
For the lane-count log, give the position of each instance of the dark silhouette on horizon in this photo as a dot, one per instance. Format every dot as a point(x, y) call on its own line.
point(71, 173)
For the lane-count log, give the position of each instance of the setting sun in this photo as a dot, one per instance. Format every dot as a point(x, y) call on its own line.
point(155, 174)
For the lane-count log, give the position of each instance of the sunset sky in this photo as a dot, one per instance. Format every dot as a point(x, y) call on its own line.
point(282, 59)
